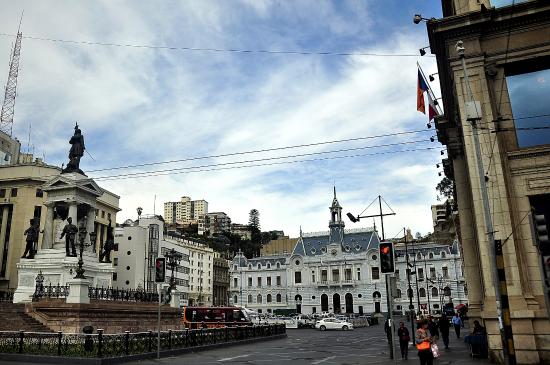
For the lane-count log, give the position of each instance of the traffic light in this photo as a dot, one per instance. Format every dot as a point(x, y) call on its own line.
point(541, 230)
point(387, 261)
point(160, 269)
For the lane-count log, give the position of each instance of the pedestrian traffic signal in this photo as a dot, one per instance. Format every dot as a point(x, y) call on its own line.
point(160, 269)
point(541, 230)
point(387, 261)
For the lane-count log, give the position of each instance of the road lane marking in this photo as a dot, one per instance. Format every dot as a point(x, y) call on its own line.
point(323, 360)
point(232, 358)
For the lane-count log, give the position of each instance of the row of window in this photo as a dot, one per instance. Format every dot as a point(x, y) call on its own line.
point(259, 298)
point(13, 192)
point(434, 292)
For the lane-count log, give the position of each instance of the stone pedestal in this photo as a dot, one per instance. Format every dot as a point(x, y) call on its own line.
point(78, 291)
point(59, 269)
point(70, 195)
point(175, 300)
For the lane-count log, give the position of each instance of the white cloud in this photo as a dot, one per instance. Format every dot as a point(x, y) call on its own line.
point(141, 105)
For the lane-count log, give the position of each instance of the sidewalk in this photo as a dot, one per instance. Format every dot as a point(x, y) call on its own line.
point(458, 352)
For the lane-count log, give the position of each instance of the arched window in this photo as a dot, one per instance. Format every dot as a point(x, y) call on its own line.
point(278, 298)
point(235, 267)
point(250, 266)
point(399, 293)
point(376, 295)
point(269, 298)
point(235, 299)
point(249, 298)
point(443, 254)
point(278, 265)
point(435, 293)
point(259, 266)
point(298, 298)
point(431, 255)
point(422, 292)
point(419, 256)
point(259, 298)
point(447, 291)
point(268, 265)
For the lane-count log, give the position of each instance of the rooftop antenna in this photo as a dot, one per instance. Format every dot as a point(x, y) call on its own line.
point(8, 107)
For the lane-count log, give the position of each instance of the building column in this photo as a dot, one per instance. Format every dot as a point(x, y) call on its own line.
point(90, 219)
point(47, 237)
point(73, 209)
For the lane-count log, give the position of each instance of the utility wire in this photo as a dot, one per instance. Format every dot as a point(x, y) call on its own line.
point(211, 49)
point(272, 163)
point(269, 158)
point(263, 150)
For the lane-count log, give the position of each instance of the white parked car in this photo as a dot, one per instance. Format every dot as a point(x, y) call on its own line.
point(333, 324)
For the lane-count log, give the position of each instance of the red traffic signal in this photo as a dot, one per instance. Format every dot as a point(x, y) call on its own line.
point(160, 269)
point(387, 259)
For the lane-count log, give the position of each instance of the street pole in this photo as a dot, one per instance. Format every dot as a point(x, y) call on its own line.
point(487, 215)
point(159, 287)
point(416, 279)
point(427, 286)
point(409, 290)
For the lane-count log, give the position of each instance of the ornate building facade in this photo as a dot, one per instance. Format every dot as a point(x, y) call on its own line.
point(493, 61)
point(335, 271)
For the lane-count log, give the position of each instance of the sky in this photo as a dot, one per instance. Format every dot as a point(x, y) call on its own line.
point(141, 105)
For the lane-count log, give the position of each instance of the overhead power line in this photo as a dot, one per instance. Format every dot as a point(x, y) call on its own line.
point(263, 150)
point(212, 49)
point(121, 177)
point(269, 158)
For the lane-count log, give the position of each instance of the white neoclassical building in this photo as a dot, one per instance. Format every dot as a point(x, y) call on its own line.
point(335, 271)
point(338, 271)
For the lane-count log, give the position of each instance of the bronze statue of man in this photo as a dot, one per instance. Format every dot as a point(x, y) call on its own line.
point(76, 152)
point(105, 256)
point(32, 237)
point(69, 231)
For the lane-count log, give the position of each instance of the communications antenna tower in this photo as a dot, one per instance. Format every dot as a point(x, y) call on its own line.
point(8, 107)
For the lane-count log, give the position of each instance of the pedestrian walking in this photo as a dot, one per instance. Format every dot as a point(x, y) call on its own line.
point(457, 323)
point(444, 326)
point(433, 328)
point(423, 342)
point(404, 338)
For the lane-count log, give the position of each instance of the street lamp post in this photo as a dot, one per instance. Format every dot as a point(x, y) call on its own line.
point(409, 290)
point(81, 238)
point(174, 259)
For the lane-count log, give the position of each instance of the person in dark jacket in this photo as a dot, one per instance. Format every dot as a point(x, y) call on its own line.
point(432, 327)
point(444, 327)
point(404, 338)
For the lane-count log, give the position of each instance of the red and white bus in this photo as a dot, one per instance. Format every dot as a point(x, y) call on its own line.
point(212, 317)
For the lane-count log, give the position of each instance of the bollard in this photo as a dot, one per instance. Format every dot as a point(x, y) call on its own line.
point(99, 343)
point(127, 342)
point(21, 337)
point(59, 337)
point(169, 339)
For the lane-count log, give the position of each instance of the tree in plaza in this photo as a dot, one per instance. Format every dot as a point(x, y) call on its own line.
point(446, 187)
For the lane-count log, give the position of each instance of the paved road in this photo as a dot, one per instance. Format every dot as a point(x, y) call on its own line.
point(313, 347)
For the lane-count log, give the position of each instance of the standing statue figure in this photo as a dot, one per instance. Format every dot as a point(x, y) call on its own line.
point(109, 245)
point(76, 152)
point(32, 238)
point(69, 231)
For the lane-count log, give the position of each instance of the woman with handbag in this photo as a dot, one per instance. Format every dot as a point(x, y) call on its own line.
point(404, 338)
point(424, 344)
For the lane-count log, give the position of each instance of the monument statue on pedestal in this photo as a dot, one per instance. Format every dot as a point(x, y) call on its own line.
point(32, 239)
point(70, 231)
point(76, 152)
point(105, 256)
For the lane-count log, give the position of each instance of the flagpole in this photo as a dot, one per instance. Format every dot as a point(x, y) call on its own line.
point(440, 111)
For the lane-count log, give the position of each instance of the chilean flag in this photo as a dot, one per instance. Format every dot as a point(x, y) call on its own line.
point(432, 112)
point(421, 88)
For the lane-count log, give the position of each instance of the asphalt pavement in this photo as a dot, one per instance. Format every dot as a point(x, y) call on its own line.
point(313, 347)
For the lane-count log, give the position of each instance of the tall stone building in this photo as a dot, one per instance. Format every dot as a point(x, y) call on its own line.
point(506, 50)
point(220, 281)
